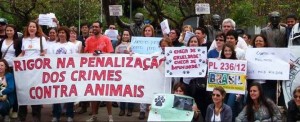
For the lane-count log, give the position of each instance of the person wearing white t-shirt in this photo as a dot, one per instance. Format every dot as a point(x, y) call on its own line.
point(52, 39)
point(74, 41)
point(63, 47)
point(31, 47)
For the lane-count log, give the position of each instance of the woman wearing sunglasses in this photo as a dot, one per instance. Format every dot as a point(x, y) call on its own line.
point(293, 113)
point(218, 111)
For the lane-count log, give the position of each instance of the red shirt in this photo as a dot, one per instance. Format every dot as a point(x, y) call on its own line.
point(102, 43)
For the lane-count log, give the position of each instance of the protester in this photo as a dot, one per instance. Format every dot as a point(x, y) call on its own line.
point(174, 36)
point(123, 47)
point(247, 38)
point(220, 41)
point(63, 47)
point(201, 34)
point(10, 48)
point(73, 40)
point(97, 44)
point(148, 31)
point(293, 112)
point(7, 90)
point(52, 38)
point(218, 111)
point(258, 107)
point(180, 89)
point(185, 28)
point(84, 28)
point(33, 44)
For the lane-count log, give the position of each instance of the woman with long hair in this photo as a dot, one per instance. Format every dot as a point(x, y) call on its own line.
point(33, 44)
point(258, 108)
point(293, 112)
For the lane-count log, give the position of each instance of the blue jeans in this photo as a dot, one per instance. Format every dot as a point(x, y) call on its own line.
point(57, 110)
point(4, 108)
point(123, 106)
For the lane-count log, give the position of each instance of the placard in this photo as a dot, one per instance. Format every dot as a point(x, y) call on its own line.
point(165, 27)
point(202, 8)
point(268, 63)
point(112, 34)
point(82, 77)
point(230, 74)
point(187, 36)
point(186, 61)
point(145, 45)
point(165, 106)
point(115, 10)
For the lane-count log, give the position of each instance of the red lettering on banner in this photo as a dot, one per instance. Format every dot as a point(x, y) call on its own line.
point(99, 89)
point(108, 62)
point(53, 77)
point(141, 93)
point(44, 92)
point(91, 62)
point(61, 62)
point(116, 91)
point(116, 62)
point(129, 59)
point(89, 90)
point(32, 64)
point(138, 63)
point(95, 75)
point(181, 51)
point(127, 91)
point(212, 65)
point(83, 60)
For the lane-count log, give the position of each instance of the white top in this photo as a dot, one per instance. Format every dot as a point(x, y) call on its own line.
point(78, 46)
point(215, 118)
point(240, 54)
point(50, 46)
point(63, 48)
point(241, 44)
point(122, 47)
point(32, 46)
point(10, 55)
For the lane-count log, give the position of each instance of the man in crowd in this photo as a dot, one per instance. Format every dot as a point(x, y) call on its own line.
point(292, 30)
point(98, 44)
point(84, 28)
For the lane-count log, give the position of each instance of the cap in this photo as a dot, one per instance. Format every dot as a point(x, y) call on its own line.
point(3, 20)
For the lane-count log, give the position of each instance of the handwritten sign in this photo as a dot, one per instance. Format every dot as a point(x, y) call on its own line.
point(202, 8)
point(268, 63)
point(293, 82)
point(112, 34)
point(165, 27)
point(230, 74)
point(185, 61)
point(47, 19)
point(187, 36)
point(145, 45)
point(165, 106)
point(115, 10)
point(83, 77)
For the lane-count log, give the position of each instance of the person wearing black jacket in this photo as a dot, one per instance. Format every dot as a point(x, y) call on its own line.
point(293, 113)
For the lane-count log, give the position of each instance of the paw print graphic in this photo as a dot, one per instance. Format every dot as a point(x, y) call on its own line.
point(203, 52)
point(200, 60)
point(171, 73)
point(199, 50)
point(183, 72)
point(170, 51)
point(187, 72)
point(159, 100)
point(168, 54)
point(200, 73)
point(168, 71)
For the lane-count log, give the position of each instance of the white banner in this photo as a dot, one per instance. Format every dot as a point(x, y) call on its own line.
point(83, 77)
point(202, 8)
point(115, 10)
point(268, 63)
point(293, 82)
point(186, 61)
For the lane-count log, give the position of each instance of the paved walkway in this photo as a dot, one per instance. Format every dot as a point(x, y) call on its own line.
point(102, 115)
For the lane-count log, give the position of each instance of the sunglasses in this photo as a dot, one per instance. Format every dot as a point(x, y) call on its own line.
point(217, 95)
point(295, 96)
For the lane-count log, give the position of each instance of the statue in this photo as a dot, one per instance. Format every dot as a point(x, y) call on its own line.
point(275, 33)
point(135, 27)
point(215, 28)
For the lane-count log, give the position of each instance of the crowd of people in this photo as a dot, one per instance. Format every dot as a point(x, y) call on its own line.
point(221, 40)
